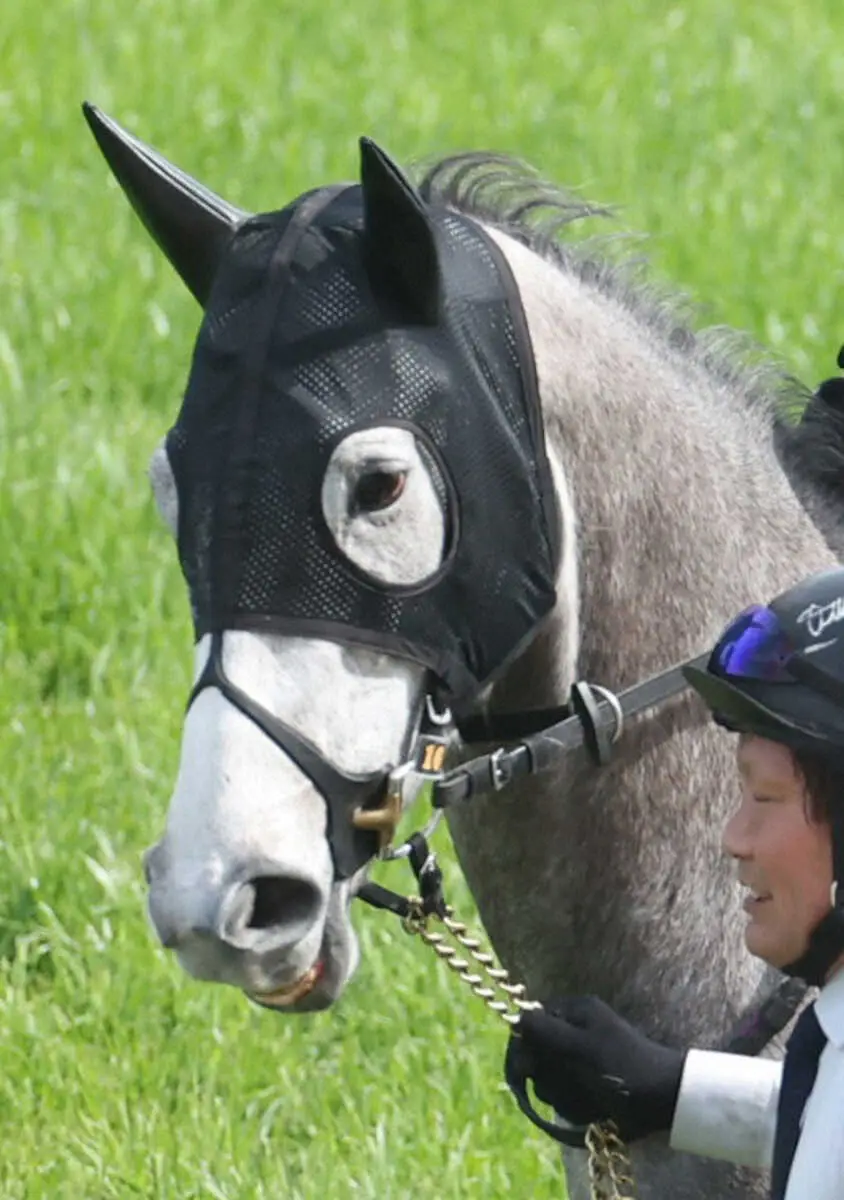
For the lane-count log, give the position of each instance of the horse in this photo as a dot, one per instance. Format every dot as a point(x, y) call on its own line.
point(594, 489)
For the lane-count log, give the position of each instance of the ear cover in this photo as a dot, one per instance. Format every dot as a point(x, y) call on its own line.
point(191, 224)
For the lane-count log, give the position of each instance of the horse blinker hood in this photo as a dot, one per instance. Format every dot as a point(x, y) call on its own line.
point(355, 306)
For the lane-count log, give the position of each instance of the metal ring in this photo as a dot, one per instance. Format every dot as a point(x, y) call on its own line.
point(395, 852)
point(615, 705)
point(436, 817)
point(403, 850)
point(435, 715)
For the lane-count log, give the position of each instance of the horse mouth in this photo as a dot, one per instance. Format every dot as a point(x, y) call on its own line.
point(284, 997)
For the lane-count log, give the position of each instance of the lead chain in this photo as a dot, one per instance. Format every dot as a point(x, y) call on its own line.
point(610, 1173)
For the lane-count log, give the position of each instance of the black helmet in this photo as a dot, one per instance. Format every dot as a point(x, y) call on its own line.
point(777, 671)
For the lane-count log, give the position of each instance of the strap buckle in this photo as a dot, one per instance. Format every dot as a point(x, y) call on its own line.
point(500, 769)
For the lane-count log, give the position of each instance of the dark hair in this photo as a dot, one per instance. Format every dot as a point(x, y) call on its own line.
point(824, 781)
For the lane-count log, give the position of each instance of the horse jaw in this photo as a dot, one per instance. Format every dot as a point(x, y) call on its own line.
point(241, 812)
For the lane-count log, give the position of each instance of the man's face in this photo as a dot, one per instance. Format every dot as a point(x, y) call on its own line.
point(784, 858)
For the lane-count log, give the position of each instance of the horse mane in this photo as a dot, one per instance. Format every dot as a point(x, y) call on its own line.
point(808, 429)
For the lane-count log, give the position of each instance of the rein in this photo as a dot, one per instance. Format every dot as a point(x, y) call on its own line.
point(594, 718)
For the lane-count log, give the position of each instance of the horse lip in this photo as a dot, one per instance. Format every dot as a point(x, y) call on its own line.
point(284, 997)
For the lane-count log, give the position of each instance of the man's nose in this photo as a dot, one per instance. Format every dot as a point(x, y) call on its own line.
point(734, 839)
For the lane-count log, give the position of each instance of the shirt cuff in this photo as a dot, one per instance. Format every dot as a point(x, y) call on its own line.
point(727, 1107)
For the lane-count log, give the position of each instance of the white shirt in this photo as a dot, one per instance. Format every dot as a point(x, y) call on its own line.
point(727, 1108)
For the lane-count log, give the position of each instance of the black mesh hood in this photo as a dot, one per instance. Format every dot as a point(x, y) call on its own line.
point(294, 353)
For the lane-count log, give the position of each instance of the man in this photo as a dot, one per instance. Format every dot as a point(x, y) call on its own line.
point(775, 677)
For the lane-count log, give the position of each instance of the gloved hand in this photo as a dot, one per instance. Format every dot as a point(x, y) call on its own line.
point(591, 1065)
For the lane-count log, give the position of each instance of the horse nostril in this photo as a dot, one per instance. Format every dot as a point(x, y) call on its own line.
point(268, 909)
point(279, 901)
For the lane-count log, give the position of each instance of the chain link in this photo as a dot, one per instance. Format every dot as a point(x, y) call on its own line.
point(610, 1173)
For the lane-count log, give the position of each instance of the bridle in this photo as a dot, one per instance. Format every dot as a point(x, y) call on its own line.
point(364, 809)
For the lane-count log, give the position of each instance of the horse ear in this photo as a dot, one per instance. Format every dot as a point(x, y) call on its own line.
point(190, 224)
point(402, 260)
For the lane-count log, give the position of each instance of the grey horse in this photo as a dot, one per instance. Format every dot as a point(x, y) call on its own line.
point(682, 493)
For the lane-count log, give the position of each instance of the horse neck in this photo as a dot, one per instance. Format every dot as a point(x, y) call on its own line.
point(676, 513)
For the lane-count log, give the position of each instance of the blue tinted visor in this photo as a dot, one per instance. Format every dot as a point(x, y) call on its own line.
point(754, 646)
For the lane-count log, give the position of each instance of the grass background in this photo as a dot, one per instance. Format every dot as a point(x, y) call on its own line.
point(716, 125)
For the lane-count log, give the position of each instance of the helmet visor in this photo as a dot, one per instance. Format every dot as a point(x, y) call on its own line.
point(754, 647)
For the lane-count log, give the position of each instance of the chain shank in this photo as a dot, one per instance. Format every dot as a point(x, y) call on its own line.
point(610, 1173)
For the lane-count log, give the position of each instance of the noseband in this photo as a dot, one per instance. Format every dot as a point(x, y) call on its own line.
point(363, 809)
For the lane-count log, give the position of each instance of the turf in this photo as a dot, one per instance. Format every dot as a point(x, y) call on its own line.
point(715, 125)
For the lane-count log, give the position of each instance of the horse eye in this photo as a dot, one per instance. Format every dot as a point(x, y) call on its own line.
point(377, 490)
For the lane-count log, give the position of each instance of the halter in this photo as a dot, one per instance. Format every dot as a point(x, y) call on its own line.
point(364, 809)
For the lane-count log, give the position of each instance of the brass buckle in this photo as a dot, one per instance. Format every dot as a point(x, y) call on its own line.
point(384, 821)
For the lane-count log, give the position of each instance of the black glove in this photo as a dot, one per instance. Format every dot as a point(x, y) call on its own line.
point(593, 1066)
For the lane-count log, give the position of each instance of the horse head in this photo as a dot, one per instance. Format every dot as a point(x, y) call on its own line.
point(359, 488)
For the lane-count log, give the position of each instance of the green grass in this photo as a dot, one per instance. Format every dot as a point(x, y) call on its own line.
point(716, 125)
